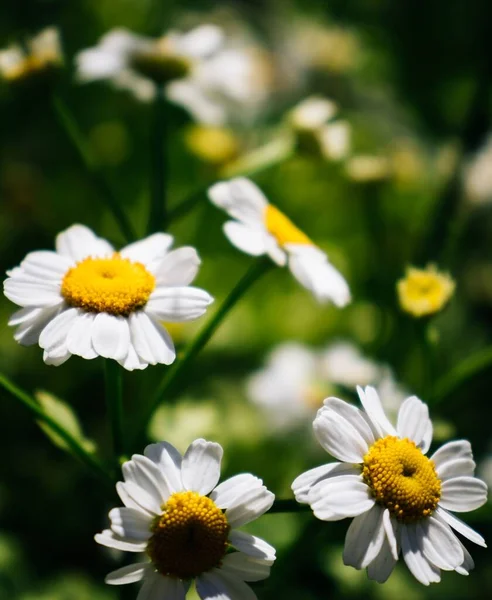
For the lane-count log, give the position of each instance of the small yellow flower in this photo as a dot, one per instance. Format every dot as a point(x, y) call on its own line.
point(424, 291)
point(214, 145)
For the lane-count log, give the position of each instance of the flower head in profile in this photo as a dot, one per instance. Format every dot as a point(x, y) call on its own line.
point(43, 55)
point(89, 300)
point(424, 291)
point(401, 500)
point(260, 228)
point(188, 525)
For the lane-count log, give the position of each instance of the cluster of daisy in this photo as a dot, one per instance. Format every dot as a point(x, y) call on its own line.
point(90, 300)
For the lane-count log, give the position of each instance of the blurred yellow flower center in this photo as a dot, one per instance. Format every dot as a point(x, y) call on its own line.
point(402, 478)
point(424, 291)
point(160, 63)
point(190, 537)
point(112, 285)
point(282, 228)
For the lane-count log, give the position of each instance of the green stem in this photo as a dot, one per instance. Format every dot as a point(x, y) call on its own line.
point(288, 505)
point(114, 394)
point(463, 372)
point(158, 213)
point(87, 458)
point(175, 373)
point(69, 125)
point(186, 205)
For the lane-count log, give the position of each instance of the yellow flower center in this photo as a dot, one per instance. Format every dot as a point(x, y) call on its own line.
point(402, 479)
point(160, 63)
point(190, 537)
point(112, 285)
point(282, 228)
point(424, 291)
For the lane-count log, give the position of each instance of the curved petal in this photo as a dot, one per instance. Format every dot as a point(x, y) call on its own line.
point(448, 454)
point(241, 199)
point(468, 563)
point(200, 42)
point(364, 538)
point(168, 461)
point(46, 265)
point(439, 544)
point(148, 476)
point(128, 574)
point(132, 360)
point(314, 272)
point(178, 304)
point(244, 567)
point(339, 437)
point(427, 439)
point(340, 497)
point(109, 539)
point(133, 496)
point(219, 585)
point(79, 242)
point(150, 339)
point(251, 545)
point(244, 504)
point(353, 415)
point(57, 357)
point(200, 469)
point(392, 531)
point(130, 523)
point(460, 526)
point(248, 239)
point(413, 420)
point(178, 268)
point(29, 331)
point(79, 338)
point(159, 587)
point(419, 566)
point(149, 249)
point(53, 338)
point(462, 494)
point(111, 336)
point(301, 486)
point(372, 405)
point(384, 563)
point(26, 291)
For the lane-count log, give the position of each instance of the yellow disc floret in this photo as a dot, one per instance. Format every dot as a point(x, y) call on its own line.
point(112, 285)
point(282, 228)
point(424, 291)
point(190, 537)
point(402, 478)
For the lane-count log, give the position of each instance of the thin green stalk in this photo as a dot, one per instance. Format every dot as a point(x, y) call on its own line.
point(69, 125)
point(463, 372)
point(175, 373)
point(186, 205)
point(87, 458)
point(288, 505)
point(114, 396)
point(158, 211)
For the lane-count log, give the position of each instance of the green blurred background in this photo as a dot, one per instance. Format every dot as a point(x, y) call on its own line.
point(413, 80)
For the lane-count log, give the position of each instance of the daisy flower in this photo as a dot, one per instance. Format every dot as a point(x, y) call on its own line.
point(89, 300)
point(402, 501)
point(424, 291)
point(261, 228)
point(187, 525)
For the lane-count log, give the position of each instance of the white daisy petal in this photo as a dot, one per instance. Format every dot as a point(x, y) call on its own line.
point(132, 360)
point(413, 420)
point(79, 242)
point(439, 544)
point(468, 563)
point(419, 566)
point(28, 332)
point(26, 291)
point(148, 476)
point(229, 491)
point(110, 336)
point(109, 539)
point(462, 494)
point(338, 436)
point(372, 405)
point(427, 439)
point(249, 239)
point(57, 358)
point(313, 271)
point(128, 574)
point(178, 268)
point(219, 585)
point(168, 461)
point(364, 538)
point(340, 497)
point(384, 563)
point(244, 567)
point(149, 249)
point(178, 304)
point(200, 41)
point(130, 523)
point(159, 587)
point(446, 457)
point(79, 338)
point(134, 496)
point(241, 199)
point(251, 545)
point(353, 415)
point(54, 335)
point(151, 340)
point(302, 485)
point(460, 526)
point(200, 469)
point(275, 252)
point(46, 265)
point(391, 529)
point(251, 504)
point(25, 315)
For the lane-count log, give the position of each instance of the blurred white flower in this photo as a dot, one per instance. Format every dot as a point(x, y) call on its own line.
point(43, 54)
point(478, 175)
point(365, 168)
point(188, 525)
point(342, 363)
point(88, 300)
point(400, 499)
point(260, 228)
